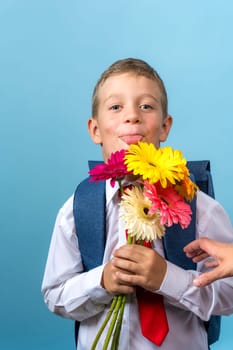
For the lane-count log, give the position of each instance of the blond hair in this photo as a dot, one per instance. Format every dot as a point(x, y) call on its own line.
point(136, 66)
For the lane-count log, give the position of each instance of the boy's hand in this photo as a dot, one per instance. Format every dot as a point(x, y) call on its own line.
point(112, 283)
point(135, 265)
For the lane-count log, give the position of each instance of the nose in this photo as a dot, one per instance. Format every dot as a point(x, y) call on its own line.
point(132, 115)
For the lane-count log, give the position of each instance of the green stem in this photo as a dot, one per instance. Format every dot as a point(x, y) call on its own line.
point(129, 239)
point(108, 316)
point(113, 322)
point(116, 336)
point(121, 187)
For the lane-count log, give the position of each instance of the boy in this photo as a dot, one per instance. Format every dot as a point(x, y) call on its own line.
point(130, 105)
point(222, 262)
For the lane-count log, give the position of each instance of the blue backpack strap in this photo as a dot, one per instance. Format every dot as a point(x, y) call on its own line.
point(176, 238)
point(201, 171)
point(89, 218)
point(89, 215)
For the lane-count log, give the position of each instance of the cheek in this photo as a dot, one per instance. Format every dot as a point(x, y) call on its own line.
point(153, 135)
point(110, 131)
point(106, 123)
point(154, 128)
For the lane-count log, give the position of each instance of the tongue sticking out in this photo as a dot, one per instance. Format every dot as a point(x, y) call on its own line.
point(131, 139)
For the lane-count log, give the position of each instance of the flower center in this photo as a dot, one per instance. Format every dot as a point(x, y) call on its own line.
point(146, 210)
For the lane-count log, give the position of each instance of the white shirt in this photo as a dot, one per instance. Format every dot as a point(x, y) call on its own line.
point(72, 293)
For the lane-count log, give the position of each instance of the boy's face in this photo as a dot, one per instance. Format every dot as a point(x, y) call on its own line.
point(129, 111)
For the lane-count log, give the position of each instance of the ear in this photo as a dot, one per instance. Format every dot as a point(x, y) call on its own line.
point(166, 126)
point(93, 129)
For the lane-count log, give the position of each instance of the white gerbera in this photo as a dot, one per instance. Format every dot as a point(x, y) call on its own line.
point(134, 211)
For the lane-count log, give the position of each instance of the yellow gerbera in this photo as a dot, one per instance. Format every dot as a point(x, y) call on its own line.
point(141, 225)
point(162, 164)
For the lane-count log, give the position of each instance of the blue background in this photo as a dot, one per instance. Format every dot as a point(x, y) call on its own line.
point(51, 54)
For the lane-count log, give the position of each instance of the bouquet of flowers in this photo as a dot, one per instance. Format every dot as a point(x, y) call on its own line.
point(158, 198)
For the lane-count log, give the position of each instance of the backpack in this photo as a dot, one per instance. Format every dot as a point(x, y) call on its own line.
point(90, 228)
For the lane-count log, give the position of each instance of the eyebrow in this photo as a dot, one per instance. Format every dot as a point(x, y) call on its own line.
point(140, 96)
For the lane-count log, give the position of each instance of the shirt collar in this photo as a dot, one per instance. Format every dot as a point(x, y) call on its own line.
point(110, 191)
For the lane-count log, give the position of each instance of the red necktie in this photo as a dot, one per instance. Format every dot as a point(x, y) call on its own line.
point(152, 315)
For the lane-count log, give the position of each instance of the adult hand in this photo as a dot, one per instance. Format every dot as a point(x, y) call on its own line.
point(222, 262)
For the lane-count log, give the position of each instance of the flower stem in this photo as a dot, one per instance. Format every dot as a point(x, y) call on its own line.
point(121, 187)
point(113, 321)
point(108, 316)
point(129, 239)
point(116, 336)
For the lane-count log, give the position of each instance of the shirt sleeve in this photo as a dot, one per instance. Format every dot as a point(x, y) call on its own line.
point(177, 286)
point(67, 290)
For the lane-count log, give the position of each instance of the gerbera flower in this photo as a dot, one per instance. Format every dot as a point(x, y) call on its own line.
point(115, 169)
point(187, 188)
point(172, 207)
point(162, 164)
point(135, 213)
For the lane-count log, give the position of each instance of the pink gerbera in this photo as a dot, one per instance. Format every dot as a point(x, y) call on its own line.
point(114, 169)
point(173, 209)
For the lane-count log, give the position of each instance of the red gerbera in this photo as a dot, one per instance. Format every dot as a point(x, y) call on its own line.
point(173, 209)
point(114, 169)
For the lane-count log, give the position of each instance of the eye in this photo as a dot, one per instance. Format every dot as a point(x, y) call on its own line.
point(115, 107)
point(146, 106)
